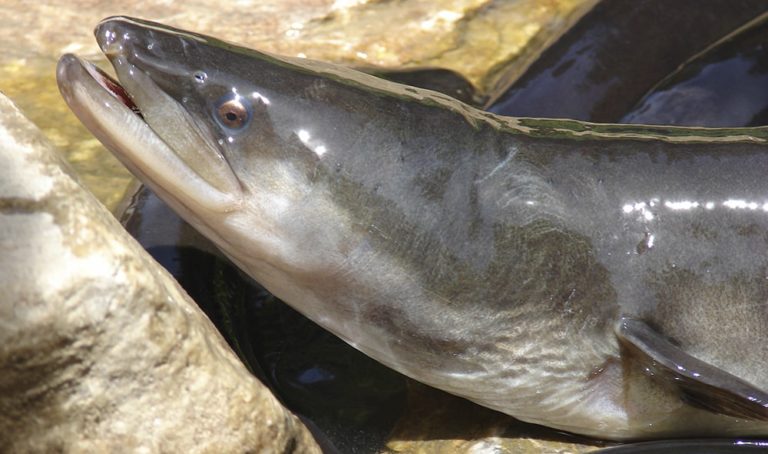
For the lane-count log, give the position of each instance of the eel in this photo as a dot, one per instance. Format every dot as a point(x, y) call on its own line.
point(608, 280)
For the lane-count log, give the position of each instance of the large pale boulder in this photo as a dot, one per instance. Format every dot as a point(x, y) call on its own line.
point(100, 350)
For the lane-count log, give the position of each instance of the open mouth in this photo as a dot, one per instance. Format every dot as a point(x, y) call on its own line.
point(158, 142)
point(112, 86)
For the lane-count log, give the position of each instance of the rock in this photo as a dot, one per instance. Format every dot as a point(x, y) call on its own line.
point(100, 350)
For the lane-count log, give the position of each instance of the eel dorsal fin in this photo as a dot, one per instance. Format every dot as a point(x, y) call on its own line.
point(700, 384)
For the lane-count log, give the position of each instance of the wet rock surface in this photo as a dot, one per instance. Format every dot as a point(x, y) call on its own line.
point(100, 350)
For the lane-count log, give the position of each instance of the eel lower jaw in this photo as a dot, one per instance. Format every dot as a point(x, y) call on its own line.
point(108, 111)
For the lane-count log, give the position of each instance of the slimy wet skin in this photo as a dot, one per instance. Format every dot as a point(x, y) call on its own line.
point(602, 279)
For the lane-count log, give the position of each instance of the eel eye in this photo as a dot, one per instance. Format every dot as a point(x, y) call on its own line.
point(233, 112)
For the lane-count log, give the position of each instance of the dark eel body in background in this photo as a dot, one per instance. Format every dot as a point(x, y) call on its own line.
point(617, 52)
point(645, 241)
point(725, 86)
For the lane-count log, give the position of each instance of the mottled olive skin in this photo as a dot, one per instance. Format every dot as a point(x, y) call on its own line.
point(487, 256)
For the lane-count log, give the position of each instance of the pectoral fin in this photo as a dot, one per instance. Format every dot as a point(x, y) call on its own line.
point(700, 384)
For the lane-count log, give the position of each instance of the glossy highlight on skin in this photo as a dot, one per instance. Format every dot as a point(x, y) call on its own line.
point(498, 259)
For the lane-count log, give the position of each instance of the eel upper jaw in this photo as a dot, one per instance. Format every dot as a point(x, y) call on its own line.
point(109, 112)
